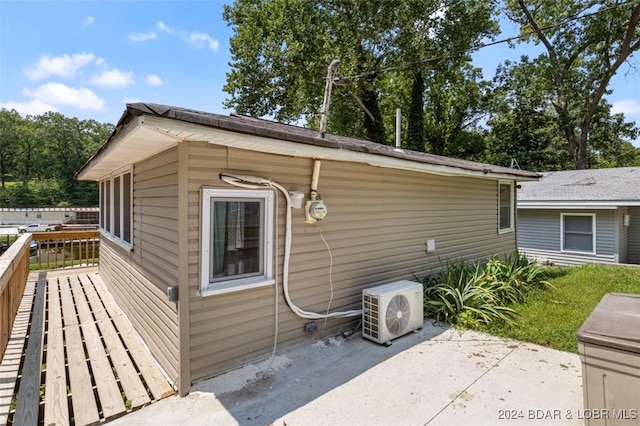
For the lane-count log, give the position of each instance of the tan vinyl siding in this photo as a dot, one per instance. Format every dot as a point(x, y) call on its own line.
point(377, 224)
point(139, 279)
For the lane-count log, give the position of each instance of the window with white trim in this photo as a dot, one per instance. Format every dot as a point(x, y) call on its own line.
point(237, 239)
point(116, 214)
point(578, 232)
point(505, 206)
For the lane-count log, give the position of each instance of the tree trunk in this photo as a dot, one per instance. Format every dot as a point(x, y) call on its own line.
point(372, 115)
point(415, 129)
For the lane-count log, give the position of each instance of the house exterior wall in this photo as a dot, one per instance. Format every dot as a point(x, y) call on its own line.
point(634, 235)
point(539, 236)
point(138, 279)
point(377, 224)
point(622, 234)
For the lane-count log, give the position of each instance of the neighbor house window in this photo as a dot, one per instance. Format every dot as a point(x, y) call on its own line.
point(578, 232)
point(505, 206)
point(237, 246)
point(116, 214)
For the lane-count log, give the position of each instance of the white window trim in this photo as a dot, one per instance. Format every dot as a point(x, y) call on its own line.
point(512, 207)
point(208, 288)
point(103, 231)
point(593, 236)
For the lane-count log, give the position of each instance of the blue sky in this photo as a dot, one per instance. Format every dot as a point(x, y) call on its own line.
point(86, 59)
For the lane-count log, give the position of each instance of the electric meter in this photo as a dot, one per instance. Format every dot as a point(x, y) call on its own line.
point(315, 211)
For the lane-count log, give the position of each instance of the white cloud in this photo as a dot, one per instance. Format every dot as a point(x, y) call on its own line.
point(154, 80)
point(143, 37)
point(163, 27)
point(626, 107)
point(62, 66)
point(202, 40)
point(113, 78)
point(33, 107)
point(101, 62)
point(89, 21)
point(60, 94)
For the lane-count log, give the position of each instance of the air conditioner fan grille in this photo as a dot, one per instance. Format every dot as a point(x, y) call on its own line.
point(398, 314)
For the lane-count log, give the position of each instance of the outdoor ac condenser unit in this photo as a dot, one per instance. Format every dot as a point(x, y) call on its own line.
point(391, 310)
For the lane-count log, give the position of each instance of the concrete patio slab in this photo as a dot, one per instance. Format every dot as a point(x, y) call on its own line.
point(436, 376)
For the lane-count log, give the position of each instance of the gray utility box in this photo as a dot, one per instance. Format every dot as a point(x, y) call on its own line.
point(609, 347)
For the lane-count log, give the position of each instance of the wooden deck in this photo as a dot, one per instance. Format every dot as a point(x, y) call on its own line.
point(73, 357)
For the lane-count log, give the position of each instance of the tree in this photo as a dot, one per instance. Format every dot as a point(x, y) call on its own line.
point(9, 124)
point(586, 44)
point(525, 127)
point(281, 48)
point(42, 154)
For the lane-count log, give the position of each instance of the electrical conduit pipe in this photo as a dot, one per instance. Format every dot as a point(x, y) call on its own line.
point(254, 182)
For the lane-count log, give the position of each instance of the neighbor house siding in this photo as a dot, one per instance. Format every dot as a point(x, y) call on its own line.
point(138, 279)
point(622, 234)
point(377, 224)
point(634, 235)
point(539, 236)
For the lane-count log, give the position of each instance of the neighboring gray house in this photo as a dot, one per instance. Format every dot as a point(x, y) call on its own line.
point(172, 216)
point(581, 216)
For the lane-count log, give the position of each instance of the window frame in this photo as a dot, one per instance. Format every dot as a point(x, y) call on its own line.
point(593, 233)
point(208, 287)
point(109, 215)
point(512, 207)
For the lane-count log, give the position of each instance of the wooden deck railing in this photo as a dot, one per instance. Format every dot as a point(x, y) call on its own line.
point(14, 269)
point(52, 250)
point(66, 249)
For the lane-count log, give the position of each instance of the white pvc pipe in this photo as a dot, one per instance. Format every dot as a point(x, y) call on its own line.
point(316, 175)
point(398, 124)
point(242, 182)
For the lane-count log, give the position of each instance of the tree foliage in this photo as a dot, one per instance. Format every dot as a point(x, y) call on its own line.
point(39, 156)
point(586, 43)
point(392, 54)
point(548, 112)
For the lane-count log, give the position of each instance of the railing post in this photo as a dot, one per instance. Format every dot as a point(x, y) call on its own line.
point(14, 270)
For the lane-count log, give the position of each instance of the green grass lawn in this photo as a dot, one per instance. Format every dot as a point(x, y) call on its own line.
point(552, 317)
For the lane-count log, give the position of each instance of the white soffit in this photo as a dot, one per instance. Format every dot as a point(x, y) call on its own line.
point(136, 143)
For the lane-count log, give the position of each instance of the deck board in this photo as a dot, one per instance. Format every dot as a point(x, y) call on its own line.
point(85, 408)
point(127, 374)
point(28, 404)
point(158, 385)
point(106, 363)
point(10, 366)
point(56, 409)
point(108, 390)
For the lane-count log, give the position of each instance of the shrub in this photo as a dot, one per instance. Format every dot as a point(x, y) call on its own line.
point(468, 295)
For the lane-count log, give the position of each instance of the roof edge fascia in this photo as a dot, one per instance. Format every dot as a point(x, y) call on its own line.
point(275, 146)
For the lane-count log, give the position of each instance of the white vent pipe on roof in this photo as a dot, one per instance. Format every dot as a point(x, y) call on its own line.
point(398, 124)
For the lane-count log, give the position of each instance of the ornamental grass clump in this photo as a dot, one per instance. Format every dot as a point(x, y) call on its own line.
point(468, 295)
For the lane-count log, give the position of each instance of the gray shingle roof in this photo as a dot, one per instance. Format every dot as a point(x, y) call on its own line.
point(613, 185)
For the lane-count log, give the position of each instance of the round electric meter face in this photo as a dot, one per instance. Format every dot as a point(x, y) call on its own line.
point(318, 210)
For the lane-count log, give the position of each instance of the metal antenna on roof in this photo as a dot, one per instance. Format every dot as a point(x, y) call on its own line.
point(324, 111)
point(514, 164)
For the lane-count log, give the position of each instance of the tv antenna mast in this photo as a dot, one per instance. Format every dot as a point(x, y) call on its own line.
point(324, 111)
